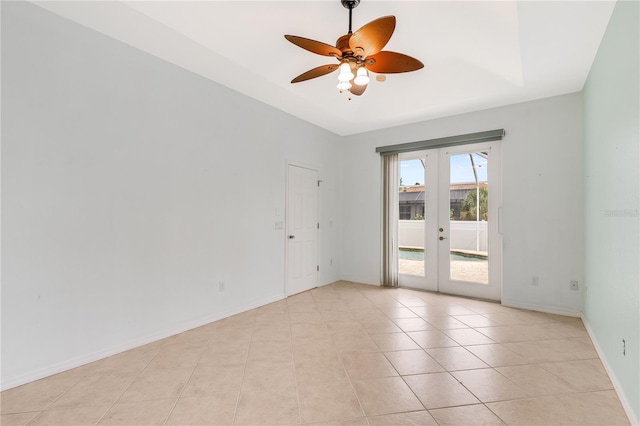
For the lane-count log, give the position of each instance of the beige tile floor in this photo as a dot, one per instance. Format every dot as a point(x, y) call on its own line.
point(342, 354)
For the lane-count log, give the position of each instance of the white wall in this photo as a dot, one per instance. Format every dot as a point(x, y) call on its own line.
point(542, 185)
point(612, 202)
point(123, 179)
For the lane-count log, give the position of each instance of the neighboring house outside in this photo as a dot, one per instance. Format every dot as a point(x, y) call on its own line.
point(412, 200)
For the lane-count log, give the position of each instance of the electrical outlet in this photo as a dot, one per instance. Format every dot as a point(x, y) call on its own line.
point(573, 285)
point(220, 286)
point(535, 281)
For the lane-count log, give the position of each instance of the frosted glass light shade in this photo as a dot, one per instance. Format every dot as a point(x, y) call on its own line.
point(345, 72)
point(362, 77)
point(344, 85)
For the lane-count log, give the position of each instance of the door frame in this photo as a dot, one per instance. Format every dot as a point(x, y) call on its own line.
point(287, 222)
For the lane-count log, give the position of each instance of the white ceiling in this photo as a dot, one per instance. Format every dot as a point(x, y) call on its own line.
point(477, 54)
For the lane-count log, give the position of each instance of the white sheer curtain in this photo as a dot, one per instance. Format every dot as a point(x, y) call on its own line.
point(390, 220)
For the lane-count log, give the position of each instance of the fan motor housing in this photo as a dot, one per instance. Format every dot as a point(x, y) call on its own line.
point(342, 43)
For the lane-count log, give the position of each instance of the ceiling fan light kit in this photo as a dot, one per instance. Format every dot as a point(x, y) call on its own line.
point(362, 78)
point(345, 72)
point(358, 53)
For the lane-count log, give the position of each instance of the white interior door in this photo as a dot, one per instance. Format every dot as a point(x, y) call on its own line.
point(447, 232)
point(302, 229)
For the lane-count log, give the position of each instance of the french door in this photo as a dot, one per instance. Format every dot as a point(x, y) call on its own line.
point(448, 236)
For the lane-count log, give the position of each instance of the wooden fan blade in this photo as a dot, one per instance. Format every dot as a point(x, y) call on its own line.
point(314, 46)
point(358, 90)
point(386, 62)
point(371, 38)
point(316, 72)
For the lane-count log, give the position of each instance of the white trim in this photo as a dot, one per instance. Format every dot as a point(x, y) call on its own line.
point(309, 167)
point(304, 165)
point(540, 308)
point(41, 373)
point(612, 376)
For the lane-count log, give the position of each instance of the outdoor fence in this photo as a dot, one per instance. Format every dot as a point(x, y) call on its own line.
point(464, 235)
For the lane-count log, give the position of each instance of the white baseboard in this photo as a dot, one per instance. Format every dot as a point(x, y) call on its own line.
point(41, 373)
point(540, 308)
point(614, 379)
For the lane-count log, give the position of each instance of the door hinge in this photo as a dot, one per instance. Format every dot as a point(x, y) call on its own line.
point(319, 182)
point(318, 268)
point(318, 225)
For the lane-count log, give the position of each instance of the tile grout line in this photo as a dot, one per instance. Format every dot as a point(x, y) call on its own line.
point(445, 369)
point(191, 374)
point(130, 384)
point(244, 370)
point(41, 412)
point(495, 414)
point(351, 384)
point(403, 377)
point(293, 361)
point(495, 368)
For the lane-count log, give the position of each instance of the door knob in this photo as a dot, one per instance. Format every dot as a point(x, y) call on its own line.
point(442, 238)
point(291, 237)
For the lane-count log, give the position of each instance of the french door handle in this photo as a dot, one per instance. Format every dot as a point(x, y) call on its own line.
point(442, 238)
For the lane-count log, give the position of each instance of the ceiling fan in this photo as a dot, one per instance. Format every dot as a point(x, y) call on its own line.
point(358, 53)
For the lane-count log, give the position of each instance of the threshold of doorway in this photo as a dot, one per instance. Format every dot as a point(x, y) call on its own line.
point(447, 294)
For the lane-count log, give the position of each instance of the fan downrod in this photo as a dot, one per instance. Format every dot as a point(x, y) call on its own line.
point(350, 4)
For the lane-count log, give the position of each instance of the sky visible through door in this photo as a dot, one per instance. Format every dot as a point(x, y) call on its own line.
point(412, 171)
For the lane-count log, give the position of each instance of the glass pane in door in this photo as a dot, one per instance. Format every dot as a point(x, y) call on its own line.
point(411, 230)
point(468, 226)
